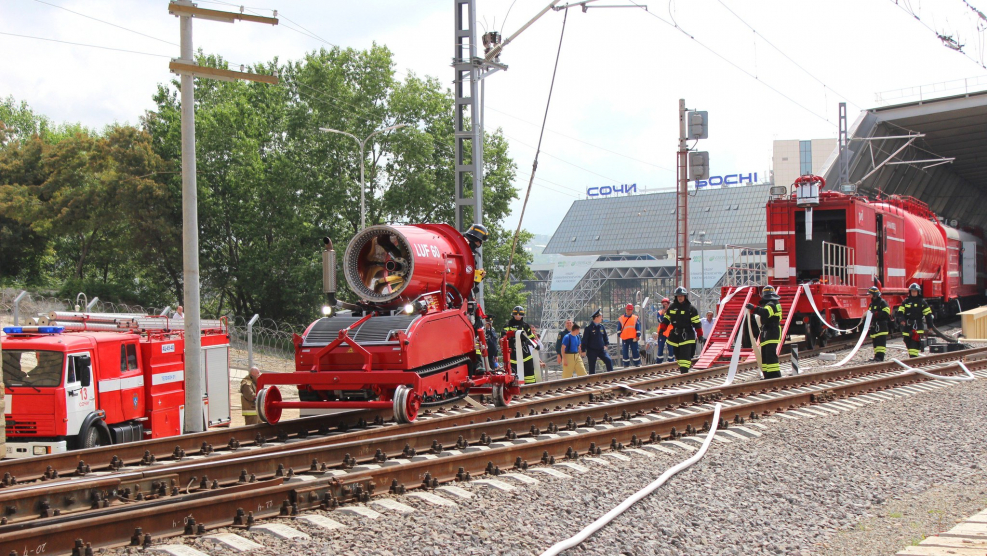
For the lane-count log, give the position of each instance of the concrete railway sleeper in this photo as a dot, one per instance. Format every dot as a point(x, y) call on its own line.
point(327, 486)
point(359, 424)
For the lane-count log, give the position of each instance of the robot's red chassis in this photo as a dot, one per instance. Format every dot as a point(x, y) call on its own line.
point(415, 343)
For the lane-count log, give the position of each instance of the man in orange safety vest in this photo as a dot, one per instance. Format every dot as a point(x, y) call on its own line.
point(630, 333)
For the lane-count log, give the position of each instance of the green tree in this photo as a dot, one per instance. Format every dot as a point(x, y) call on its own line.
point(271, 184)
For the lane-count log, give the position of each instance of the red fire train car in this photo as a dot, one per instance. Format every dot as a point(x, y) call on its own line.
point(827, 248)
point(411, 339)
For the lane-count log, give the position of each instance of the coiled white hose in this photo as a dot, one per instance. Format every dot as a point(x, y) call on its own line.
point(578, 538)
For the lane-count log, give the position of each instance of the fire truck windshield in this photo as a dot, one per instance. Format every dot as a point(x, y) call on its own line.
point(32, 368)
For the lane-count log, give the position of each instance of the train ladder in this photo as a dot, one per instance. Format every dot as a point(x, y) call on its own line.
point(719, 344)
point(790, 308)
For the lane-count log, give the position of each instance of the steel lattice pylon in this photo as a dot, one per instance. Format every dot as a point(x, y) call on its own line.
point(562, 304)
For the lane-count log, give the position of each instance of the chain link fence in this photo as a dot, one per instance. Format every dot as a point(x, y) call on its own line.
point(273, 349)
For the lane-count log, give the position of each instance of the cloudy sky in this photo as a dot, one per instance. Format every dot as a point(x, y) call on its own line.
point(765, 70)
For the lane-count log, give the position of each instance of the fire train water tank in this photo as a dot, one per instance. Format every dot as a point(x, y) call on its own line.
point(391, 265)
point(925, 245)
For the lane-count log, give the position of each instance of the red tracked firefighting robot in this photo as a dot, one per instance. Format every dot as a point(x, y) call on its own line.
point(411, 340)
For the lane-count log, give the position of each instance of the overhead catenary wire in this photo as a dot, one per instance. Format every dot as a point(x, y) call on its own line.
point(912, 13)
point(786, 56)
point(587, 143)
point(737, 67)
point(86, 45)
point(107, 23)
point(534, 165)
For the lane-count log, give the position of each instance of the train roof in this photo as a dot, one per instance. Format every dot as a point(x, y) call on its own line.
point(944, 168)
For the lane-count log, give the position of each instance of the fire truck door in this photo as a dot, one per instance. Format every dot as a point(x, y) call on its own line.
point(80, 393)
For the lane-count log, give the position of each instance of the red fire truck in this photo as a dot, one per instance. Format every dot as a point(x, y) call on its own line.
point(85, 384)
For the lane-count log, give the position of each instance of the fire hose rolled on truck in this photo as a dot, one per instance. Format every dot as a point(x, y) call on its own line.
point(412, 338)
point(80, 380)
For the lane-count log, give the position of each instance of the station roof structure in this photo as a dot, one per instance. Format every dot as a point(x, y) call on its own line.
point(953, 127)
point(636, 224)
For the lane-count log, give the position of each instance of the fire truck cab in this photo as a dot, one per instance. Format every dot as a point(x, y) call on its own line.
point(81, 389)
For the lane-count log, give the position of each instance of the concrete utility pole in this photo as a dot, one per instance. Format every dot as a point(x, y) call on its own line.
point(186, 66)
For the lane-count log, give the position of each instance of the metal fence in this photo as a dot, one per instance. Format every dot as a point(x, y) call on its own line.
point(265, 342)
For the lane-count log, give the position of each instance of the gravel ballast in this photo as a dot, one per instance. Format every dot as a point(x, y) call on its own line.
point(867, 481)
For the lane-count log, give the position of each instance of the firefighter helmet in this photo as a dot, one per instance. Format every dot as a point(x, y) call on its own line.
point(681, 291)
point(914, 288)
point(477, 233)
point(769, 293)
point(874, 291)
point(518, 310)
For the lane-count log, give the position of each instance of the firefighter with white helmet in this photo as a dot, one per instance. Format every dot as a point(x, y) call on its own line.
point(683, 318)
point(770, 312)
point(880, 321)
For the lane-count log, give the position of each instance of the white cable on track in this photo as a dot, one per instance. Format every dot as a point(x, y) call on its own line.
point(969, 376)
point(575, 540)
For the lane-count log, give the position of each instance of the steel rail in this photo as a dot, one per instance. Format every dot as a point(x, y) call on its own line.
point(161, 449)
point(374, 477)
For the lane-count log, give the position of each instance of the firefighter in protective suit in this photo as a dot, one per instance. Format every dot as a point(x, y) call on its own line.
point(880, 323)
point(683, 318)
point(914, 316)
point(476, 235)
point(515, 326)
point(248, 397)
point(770, 312)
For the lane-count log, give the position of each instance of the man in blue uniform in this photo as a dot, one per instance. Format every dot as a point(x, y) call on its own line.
point(595, 342)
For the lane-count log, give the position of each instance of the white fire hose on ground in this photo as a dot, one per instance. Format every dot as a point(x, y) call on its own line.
point(558, 547)
point(969, 376)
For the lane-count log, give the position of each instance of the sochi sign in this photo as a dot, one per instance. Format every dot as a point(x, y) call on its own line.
point(608, 190)
point(729, 179)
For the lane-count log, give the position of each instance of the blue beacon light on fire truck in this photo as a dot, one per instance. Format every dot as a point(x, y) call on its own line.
point(33, 329)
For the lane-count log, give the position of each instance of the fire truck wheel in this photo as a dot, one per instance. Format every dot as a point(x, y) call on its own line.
point(92, 438)
point(500, 396)
point(266, 410)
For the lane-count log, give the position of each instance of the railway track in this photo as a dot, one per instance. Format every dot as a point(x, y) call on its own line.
point(341, 427)
point(224, 490)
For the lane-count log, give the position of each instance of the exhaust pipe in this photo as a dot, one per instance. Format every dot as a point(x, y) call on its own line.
point(329, 277)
